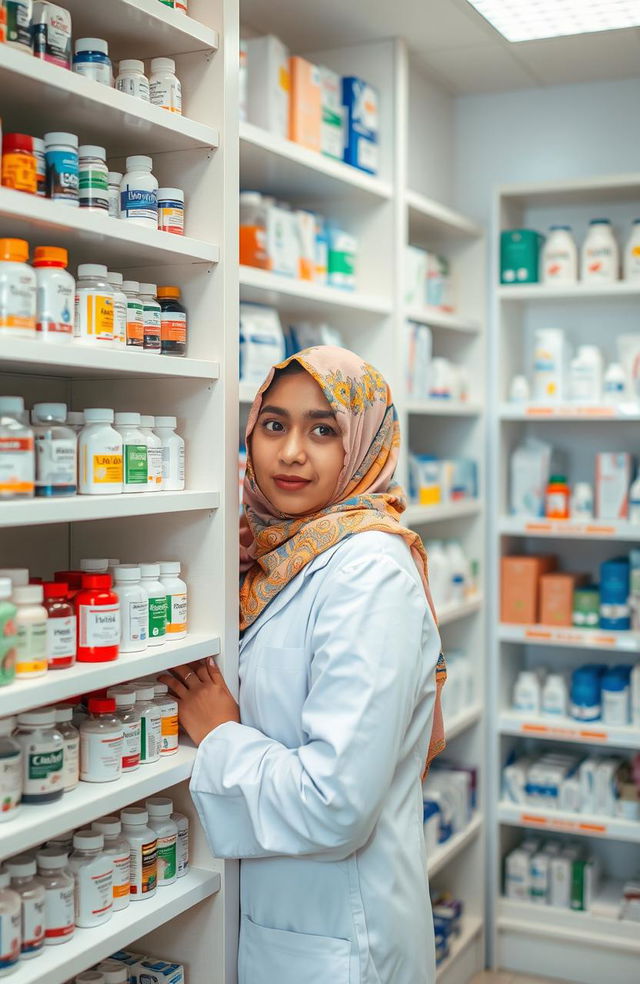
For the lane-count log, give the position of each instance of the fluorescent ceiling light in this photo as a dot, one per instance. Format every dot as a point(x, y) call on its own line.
point(526, 20)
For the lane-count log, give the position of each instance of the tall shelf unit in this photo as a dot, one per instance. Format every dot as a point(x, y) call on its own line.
point(588, 946)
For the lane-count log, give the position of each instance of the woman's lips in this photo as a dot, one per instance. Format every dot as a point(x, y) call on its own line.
point(290, 483)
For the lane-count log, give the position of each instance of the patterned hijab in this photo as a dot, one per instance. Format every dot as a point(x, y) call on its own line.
point(273, 548)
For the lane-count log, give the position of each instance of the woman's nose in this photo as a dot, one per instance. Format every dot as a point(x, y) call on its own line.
point(292, 449)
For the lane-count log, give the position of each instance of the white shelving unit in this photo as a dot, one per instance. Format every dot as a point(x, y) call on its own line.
point(528, 935)
point(198, 152)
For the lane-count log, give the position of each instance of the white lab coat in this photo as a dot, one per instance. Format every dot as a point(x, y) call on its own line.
point(318, 790)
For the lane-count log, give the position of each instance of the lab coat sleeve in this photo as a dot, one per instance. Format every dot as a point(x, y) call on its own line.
point(258, 798)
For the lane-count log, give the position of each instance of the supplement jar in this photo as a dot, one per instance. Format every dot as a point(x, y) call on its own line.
point(41, 166)
point(143, 844)
point(150, 574)
point(150, 723)
point(10, 925)
point(19, 165)
point(99, 454)
point(176, 592)
point(132, 80)
point(134, 452)
point(154, 453)
point(71, 738)
point(164, 87)
point(98, 611)
point(115, 180)
point(139, 193)
point(160, 809)
point(10, 773)
point(135, 314)
point(182, 823)
point(51, 27)
point(134, 609)
point(56, 451)
point(93, 178)
point(91, 59)
point(61, 625)
point(61, 153)
point(101, 742)
point(119, 309)
point(59, 895)
point(171, 210)
point(17, 290)
point(42, 756)
point(129, 716)
point(31, 620)
point(169, 718)
point(117, 848)
point(17, 456)
point(22, 871)
point(94, 303)
point(55, 294)
point(18, 33)
point(172, 454)
point(150, 318)
point(93, 873)
point(173, 321)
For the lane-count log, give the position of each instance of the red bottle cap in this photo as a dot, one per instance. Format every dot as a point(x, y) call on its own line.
point(73, 579)
point(35, 580)
point(17, 141)
point(55, 589)
point(96, 581)
point(101, 705)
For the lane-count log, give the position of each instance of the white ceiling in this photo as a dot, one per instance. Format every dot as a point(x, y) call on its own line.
point(450, 41)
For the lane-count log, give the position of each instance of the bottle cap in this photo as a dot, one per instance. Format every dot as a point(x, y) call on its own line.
point(558, 480)
point(114, 177)
point(159, 806)
point(6, 588)
point(127, 572)
point(163, 65)
point(168, 292)
point(55, 589)
point(122, 697)
point(14, 250)
point(91, 270)
point(64, 712)
point(146, 420)
point(96, 581)
point(127, 419)
point(150, 570)
point(54, 411)
point(94, 565)
point(113, 972)
point(177, 194)
point(134, 815)
point(16, 141)
point(75, 418)
point(131, 65)
point(58, 137)
point(166, 421)
point(148, 289)
point(101, 705)
point(11, 404)
point(600, 222)
point(107, 826)
point(145, 692)
point(91, 150)
point(131, 286)
point(21, 866)
point(29, 594)
point(160, 689)
point(139, 162)
point(45, 716)
point(98, 415)
point(50, 858)
point(91, 44)
point(88, 840)
point(169, 566)
point(54, 256)
point(115, 279)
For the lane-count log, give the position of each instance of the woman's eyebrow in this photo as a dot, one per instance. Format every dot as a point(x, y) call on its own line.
point(319, 414)
point(280, 411)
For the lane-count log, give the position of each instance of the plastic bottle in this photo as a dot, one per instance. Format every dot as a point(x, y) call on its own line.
point(172, 454)
point(615, 699)
point(582, 501)
point(171, 210)
point(93, 873)
point(139, 193)
point(117, 848)
point(10, 776)
point(61, 154)
point(98, 611)
point(615, 384)
point(71, 739)
point(164, 86)
point(168, 719)
point(42, 756)
point(41, 167)
point(585, 375)
point(135, 314)
point(100, 454)
point(150, 318)
point(10, 926)
point(560, 256)
point(176, 592)
point(18, 25)
point(19, 164)
point(182, 823)
point(555, 695)
point(173, 322)
point(61, 625)
point(549, 365)
point(631, 261)
point(101, 739)
point(134, 448)
point(144, 846)
point(526, 693)
point(55, 295)
point(154, 453)
point(519, 391)
point(22, 871)
point(51, 27)
point(114, 179)
point(585, 694)
point(18, 290)
point(56, 451)
point(600, 255)
point(8, 632)
point(93, 178)
point(557, 498)
point(132, 80)
point(160, 809)
point(134, 609)
point(94, 303)
point(150, 581)
point(130, 718)
point(91, 60)
point(31, 621)
point(17, 458)
point(59, 895)
point(150, 724)
point(119, 309)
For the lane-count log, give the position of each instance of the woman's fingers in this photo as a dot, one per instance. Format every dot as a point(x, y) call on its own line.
point(176, 687)
point(185, 674)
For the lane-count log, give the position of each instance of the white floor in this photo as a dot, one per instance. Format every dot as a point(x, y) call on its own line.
point(506, 977)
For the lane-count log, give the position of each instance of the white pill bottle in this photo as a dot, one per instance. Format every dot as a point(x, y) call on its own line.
point(139, 193)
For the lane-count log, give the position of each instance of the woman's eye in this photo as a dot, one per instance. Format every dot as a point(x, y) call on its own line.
point(323, 430)
point(272, 425)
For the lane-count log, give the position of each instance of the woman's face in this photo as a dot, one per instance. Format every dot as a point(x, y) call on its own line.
point(296, 447)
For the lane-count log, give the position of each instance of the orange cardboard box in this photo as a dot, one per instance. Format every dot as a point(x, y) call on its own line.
point(520, 587)
point(556, 597)
point(305, 103)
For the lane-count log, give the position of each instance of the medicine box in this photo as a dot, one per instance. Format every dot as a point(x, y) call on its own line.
point(556, 597)
point(520, 256)
point(159, 972)
point(332, 128)
point(613, 477)
point(305, 103)
point(520, 587)
point(341, 259)
point(362, 123)
point(283, 243)
point(268, 84)
point(415, 273)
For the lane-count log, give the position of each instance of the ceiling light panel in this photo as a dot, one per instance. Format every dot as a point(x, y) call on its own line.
point(528, 20)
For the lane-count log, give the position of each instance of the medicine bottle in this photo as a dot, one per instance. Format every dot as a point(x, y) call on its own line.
point(150, 580)
point(93, 178)
point(129, 716)
point(150, 723)
point(10, 925)
point(18, 576)
point(101, 739)
point(117, 848)
point(139, 193)
point(98, 611)
point(182, 823)
point(10, 772)
point(51, 27)
point(143, 845)
point(172, 454)
point(631, 260)
point(154, 453)
point(56, 451)
point(132, 80)
point(94, 301)
point(176, 592)
point(42, 756)
point(71, 739)
point(134, 609)
point(8, 632)
point(59, 895)
point(119, 309)
point(600, 254)
point(160, 809)
point(114, 179)
point(61, 625)
point(19, 164)
point(41, 167)
point(17, 459)
point(61, 153)
point(93, 873)
point(113, 972)
point(18, 290)
point(169, 719)
point(173, 321)
point(135, 314)
point(164, 87)
point(22, 871)
point(171, 210)
point(99, 454)
point(91, 59)
point(134, 451)
point(150, 318)
point(18, 15)
point(31, 621)
point(253, 231)
point(55, 295)
point(557, 498)
point(94, 565)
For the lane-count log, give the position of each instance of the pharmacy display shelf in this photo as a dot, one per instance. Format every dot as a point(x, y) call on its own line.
point(570, 292)
point(35, 357)
point(436, 318)
point(294, 296)
point(97, 113)
point(288, 170)
point(99, 238)
point(593, 529)
point(471, 929)
point(557, 821)
point(462, 722)
point(88, 947)
point(78, 508)
point(60, 685)
point(569, 637)
point(89, 800)
point(549, 413)
point(417, 515)
point(452, 847)
point(563, 924)
point(453, 613)
point(432, 220)
point(568, 730)
point(443, 408)
point(247, 392)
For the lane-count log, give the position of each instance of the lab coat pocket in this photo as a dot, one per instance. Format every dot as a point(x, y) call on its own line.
point(275, 956)
point(281, 687)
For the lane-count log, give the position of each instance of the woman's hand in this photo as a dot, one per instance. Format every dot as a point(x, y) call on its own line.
point(204, 700)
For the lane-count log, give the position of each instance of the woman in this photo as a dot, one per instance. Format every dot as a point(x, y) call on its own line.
point(318, 789)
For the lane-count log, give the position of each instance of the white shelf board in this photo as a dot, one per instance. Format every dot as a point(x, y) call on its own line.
point(89, 946)
point(462, 722)
point(563, 924)
point(443, 408)
point(436, 318)
point(549, 413)
point(452, 613)
point(575, 191)
point(247, 392)
point(58, 685)
point(304, 297)
point(36, 357)
point(566, 729)
point(430, 219)
point(416, 515)
point(96, 238)
point(451, 848)
point(89, 800)
point(471, 928)
point(569, 637)
point(557, 821)
point(99, 114)
point(593, 529)
point(569, 292)
point(280, 167)
point(77, 508)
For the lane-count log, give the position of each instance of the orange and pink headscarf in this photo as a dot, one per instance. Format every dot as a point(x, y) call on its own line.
point(273, 548)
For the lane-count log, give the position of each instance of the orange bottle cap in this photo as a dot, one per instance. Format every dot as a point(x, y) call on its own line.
point(168, 292)
point(50, 256)
point(14, 250)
